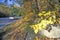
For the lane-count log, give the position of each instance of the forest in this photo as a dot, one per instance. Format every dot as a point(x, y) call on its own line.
point(37, 16)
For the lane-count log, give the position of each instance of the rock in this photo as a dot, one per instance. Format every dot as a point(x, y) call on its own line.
point(54, 33)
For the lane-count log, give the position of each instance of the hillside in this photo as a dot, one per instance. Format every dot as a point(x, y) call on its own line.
point(11, 11)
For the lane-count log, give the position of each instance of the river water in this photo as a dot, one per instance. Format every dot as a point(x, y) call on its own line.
point(5, 21)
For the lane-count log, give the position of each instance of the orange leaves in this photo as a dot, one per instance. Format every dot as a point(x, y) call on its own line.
point(27, 4)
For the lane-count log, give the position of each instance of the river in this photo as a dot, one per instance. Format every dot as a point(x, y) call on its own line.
point(6, 21)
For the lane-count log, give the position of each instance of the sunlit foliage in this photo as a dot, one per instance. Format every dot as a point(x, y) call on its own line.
point(46, 18)
point(5, 10)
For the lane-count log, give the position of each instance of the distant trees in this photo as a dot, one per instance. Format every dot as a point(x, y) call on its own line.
point(5, 10)
point(12, 11)
point(3, 15)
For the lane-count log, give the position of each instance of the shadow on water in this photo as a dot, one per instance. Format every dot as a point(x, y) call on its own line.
point(3, 15)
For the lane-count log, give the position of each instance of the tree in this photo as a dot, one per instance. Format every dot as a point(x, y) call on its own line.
point(25, 26)
point(5, 10)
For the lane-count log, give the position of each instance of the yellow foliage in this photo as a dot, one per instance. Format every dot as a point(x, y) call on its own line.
point(43, 24)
